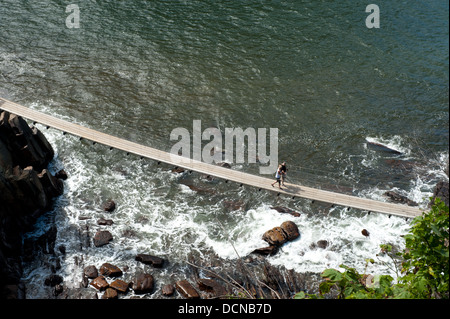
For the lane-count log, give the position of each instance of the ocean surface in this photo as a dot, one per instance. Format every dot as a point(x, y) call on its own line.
point(332, 86)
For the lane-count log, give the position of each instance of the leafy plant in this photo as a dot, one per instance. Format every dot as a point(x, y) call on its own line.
point(422, 268)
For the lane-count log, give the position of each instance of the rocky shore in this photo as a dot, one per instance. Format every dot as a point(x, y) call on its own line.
point(27, 190)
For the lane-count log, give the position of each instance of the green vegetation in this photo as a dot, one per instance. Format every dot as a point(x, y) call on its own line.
point(422, 268)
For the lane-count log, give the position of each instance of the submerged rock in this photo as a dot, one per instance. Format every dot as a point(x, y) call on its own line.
point(319, 244)
point(285, 210)
point(234, 204)
point(150, 260)
point(266, 251)
point(397, 198)
point(382, 148)
point(109, 206)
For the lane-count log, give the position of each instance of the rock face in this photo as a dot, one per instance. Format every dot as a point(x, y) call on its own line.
point(441, 191)
point(27, 189)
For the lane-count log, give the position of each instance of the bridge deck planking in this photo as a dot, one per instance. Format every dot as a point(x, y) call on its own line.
point(263, 183)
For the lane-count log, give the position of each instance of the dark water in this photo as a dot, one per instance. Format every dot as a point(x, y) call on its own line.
point(312, 69)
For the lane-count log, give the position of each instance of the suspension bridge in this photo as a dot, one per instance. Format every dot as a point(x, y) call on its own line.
point(227, 174)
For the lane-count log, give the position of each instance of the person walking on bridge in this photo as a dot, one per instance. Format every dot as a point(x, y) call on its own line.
point(283, 173)
point(278, 177)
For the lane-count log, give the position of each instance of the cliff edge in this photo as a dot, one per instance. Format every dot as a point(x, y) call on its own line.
point(26, 192)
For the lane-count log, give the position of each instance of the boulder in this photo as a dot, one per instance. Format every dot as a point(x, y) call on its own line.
point(186, 289)
point(143, 283)
point(110, 293)
point(275, 236)
point(119, 285)
point(99, 283)
point(290, 229)
point(102, 238)
point(167, 290)
point(365, 232)
point(150, 260)
point(110, 270)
